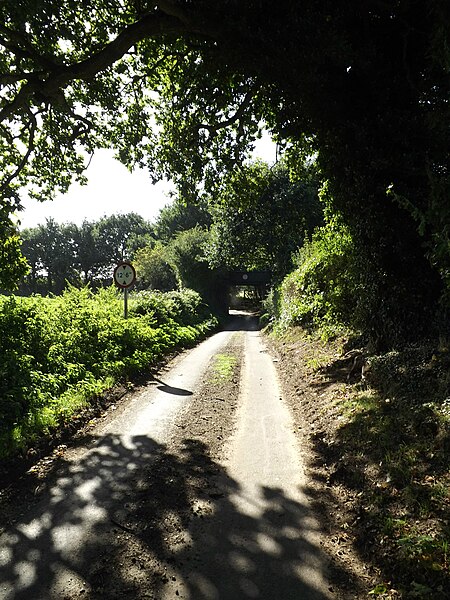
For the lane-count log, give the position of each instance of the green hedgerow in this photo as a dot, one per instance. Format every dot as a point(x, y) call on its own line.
point(57, 353)
point(320, 292)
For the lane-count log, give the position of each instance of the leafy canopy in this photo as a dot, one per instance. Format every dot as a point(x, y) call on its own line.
point(182, 87)
point(261, 218)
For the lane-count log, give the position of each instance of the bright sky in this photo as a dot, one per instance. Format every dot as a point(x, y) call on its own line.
point(112, 189)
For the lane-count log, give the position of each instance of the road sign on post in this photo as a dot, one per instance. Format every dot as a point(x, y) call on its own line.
point(124, 277)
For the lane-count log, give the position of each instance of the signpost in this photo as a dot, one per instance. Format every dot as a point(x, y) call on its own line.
point(124, 277)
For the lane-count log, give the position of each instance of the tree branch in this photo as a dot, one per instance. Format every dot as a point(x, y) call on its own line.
point(20, 46)
point(174, 10)
point(82, 128)
point(227, 122)
point(153, 25)
point(32, 130)
point(10, 78)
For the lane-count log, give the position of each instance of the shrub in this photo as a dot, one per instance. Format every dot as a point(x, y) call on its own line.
point(58, 353)
point(153, 269)
point(184, 307)
point(322, 292)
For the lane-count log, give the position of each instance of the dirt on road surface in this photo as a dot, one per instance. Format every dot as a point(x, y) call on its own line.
point(191, 487)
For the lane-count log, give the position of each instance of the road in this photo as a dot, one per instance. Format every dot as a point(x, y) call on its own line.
point(253, 537)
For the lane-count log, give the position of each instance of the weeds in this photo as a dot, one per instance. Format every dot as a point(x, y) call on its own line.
point(224, 367)
point(401, 423)
point(386, 445)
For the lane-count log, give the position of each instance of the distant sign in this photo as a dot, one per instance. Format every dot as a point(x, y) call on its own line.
point(249, 278)
point(124, 275)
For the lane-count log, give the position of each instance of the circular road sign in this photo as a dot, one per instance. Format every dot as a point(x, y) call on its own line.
point(124, 275)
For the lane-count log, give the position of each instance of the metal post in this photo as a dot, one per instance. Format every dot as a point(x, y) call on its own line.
point(125, 303)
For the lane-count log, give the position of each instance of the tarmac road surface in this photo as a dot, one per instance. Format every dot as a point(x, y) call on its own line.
point(261, 540)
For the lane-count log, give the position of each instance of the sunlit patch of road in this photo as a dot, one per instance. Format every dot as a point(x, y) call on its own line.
point(262, 540)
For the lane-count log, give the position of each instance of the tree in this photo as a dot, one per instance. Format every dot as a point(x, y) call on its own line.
point(182, 87)
point(180, 216)
point(86, 253)
point(154, 270)
point(53, 245)
point(118, 236)
point(186, 252)
point(261, 218)
point(87, 256)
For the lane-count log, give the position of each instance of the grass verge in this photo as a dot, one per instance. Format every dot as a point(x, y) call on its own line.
point(382, 447)
point(223, 367)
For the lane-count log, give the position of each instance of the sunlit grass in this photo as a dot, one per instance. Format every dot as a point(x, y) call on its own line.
point(224, 367)
point(60, 354)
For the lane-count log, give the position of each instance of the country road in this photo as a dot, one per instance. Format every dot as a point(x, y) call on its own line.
point(189, 488)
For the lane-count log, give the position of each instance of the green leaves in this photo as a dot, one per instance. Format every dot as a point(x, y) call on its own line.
point(13, 264)
point(88, 253)
point(183, 91)
point(58, 353)
point(379, 590)
point(322, 291)
point(260, 218)
point(153, 269)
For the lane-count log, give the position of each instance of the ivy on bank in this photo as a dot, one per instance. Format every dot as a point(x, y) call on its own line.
point(58, 353)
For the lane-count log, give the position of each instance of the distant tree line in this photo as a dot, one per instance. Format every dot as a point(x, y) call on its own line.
point(256, 220)
point(80, 254)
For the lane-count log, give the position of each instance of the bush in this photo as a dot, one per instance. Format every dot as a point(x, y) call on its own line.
point(183, 307)
point(323, 291)
point(153, 269)
point(58, 353)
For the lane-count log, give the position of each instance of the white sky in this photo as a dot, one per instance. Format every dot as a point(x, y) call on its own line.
point(112, 189)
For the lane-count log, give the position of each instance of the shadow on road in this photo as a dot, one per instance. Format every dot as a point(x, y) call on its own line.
point(169, 389)
point(159, 523)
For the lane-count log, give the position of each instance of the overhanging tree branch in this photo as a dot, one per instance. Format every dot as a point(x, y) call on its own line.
point(18, 45)
point(240, 112)
point(32, 126)
point(153, 25)
point(174, 10)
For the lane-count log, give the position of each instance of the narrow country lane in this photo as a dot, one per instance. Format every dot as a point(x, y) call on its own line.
point(148, 509)
point(261, 541)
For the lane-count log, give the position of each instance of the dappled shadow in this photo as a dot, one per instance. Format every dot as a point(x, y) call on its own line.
point(258, 548)
point(388, 456)
point(131, 519)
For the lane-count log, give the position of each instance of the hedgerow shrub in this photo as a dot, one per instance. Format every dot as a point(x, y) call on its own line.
point(57, 353)
point(184, 307)
point(322, 292)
